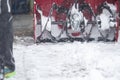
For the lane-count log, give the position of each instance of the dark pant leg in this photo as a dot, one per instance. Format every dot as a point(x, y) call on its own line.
point(6, 40)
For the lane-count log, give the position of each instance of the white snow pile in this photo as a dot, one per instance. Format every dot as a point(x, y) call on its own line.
point(66, 61)
point(105, 17)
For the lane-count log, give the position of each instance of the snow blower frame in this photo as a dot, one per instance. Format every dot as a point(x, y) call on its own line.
point(70, 20)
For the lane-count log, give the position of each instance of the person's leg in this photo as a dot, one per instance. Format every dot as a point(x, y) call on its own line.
point(6, 41)
point(1, 42)
point(8, 36)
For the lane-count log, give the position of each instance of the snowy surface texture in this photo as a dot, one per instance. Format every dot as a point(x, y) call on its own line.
point(66, 61)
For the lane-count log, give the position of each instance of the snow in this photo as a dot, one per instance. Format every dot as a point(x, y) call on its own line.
point(112, 7)
point(105, 17)
point(104, 21)
point(66, 61)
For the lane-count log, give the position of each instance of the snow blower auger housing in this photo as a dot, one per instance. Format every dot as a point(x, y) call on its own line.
point(80, 20)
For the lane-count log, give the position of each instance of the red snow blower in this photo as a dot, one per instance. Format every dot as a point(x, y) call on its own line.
point(76, 20)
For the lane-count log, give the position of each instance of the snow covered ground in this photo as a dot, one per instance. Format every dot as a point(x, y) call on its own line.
point(66, 61)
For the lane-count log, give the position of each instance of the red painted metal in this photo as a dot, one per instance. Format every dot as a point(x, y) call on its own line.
point(118, 21)
point(46, 4)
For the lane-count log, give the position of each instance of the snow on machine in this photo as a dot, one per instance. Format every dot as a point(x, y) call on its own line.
point(75, 20)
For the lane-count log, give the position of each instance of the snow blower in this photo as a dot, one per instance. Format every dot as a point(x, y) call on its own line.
point(74, 20)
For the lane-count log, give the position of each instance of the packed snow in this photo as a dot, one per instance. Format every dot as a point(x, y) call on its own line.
point(66, 61)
